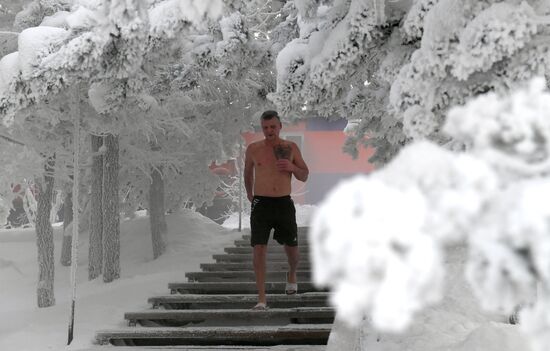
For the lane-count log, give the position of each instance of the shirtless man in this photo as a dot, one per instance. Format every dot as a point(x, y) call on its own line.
point(269, 166)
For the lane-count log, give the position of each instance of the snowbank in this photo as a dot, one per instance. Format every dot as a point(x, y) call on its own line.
point(192, 239)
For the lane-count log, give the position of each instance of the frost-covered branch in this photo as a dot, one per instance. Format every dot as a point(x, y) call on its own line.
point(425, 55)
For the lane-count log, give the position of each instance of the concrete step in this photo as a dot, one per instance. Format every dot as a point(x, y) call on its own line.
point(271, 257)
point(235, 288)
point(270, 244)
point(208, 348)
point(247, 266)
point(245, 250)
point(249, 335)
point(234, 317)
point(225, 276)
point(236, 301)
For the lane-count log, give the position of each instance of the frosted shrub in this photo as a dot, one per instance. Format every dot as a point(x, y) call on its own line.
point(456, 186)
point(392, 269)
point(378, 241)
point(509, 251)
point(513, 134)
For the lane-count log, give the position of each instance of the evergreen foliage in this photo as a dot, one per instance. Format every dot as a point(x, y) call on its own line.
point(398, 66)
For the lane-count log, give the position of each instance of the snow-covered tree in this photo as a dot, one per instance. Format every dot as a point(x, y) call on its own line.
point(102, 44)
point(201, 95)
point(38, 158)
point(95, 251)
point(490, 198)
point(398, 66)
point(65, 259)
point(44, 234)
point(211, 88)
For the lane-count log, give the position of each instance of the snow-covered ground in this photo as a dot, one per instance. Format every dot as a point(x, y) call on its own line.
point(192, 240)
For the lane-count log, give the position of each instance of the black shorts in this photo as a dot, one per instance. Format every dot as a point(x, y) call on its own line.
point(273, 212)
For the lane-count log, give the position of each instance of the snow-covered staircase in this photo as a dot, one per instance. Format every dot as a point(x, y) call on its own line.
point(213, 309)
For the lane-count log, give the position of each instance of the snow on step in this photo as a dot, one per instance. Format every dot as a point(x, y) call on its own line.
point(302, 238)
point(271, 257)
point(235, 287)
point(314, 334)
point(189, 301)
point(273, 316)
point(247, 266)
point(270, 244)
point(245, 250)
point(210, 348)
point(224, 276)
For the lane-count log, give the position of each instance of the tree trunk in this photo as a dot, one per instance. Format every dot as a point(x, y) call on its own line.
point(157, 218)
point(84, 218)
point(95, 253)
point(67, 234)
point(44, 237)
point(29, 205)
point(111, 217)
point(57, 202)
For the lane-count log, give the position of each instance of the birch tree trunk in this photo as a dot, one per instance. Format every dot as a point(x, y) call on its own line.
point(67, 234)
point(111, 218)
point(95, 253)
point(157, 217)
point(44, 237)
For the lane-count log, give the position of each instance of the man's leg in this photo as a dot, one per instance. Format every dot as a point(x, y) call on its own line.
point(260, 254)
point(293, 256)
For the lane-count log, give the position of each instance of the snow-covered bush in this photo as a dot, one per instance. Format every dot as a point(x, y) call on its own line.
point(375, 264)
point(379, 241)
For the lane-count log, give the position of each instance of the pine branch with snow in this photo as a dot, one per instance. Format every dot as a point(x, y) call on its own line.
point(465, 51)
point(497, 32)
point(427, 56)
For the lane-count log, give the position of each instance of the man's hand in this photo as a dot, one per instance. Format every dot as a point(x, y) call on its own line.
point(284, 165)
point(250, 197)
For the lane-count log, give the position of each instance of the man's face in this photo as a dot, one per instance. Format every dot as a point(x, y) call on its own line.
point(271, 128)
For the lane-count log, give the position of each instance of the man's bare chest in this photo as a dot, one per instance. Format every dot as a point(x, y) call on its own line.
point(266, 157)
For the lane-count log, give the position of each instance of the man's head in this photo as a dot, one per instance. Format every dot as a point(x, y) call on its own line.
point(271, 125)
